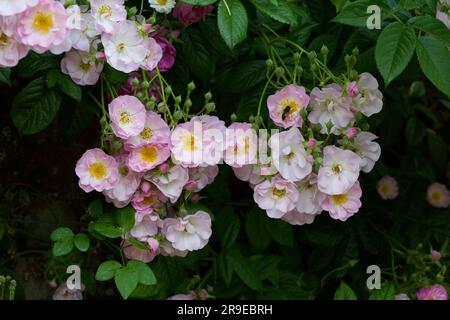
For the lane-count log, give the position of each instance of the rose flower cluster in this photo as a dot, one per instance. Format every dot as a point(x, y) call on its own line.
point(316, 161)
point(151, 171)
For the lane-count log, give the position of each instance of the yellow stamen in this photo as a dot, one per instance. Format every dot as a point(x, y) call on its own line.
point(278, 192)
point(337, 169)
point(4, 39)
point(436, 196)
point(162, 2)
point(292, 105)
point(85, 66)
point(124, 171)
point(339, 199)
point(146, 134)
point(125, 117)
point(149, 154)
point(105, 11)
point(97, 170)
point(189, 142)
point(42, 22)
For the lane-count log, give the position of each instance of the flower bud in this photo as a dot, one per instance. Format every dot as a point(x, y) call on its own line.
point(311, 143)
point(145, 85)
point(162, 107)
point(279, 72)
point(168, 90)
point(178, 99)
point(352, 132)
point(146, 27)
point(352, 89)
point(164, 168)
point(297, 57)
point(191, 185)
point(178, 115)
point(210, 107)
point(135, 82)
point(191, 86)
point(269, 63)
point(208, 96)
point(188, 103)
point(145, 187)
point(100, 56)
point(233, 117)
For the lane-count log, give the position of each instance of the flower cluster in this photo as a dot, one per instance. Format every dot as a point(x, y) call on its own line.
point(88, 35)
point(315, 163)
point(143, 171)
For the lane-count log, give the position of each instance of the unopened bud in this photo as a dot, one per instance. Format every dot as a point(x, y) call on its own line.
point(208, 96)
point(297, 57)
point(188, 103)
point(191, 86)
point(178, 115)
point(191, 185)
point(145, 85)
point(311, 143)
point(279, 71)
point(269, 63)
point(168, 90)
point(164, 168)
point(135, 82)
point(352, 132)
point(233, 117)
point(178, 99)
point(145, 187)
point(210, 107)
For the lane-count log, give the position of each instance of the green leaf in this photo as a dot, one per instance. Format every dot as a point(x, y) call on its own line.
point(95, 208)
point(232, 21)
point(52, 77)
point(323, 235)
point(344, 292)
point(82, 242)
point(244, 76)
point(146, 275)
point(355, 13)
point(62, 247)
point(438, 148)
point(107, 229)
point(434, 59)
point(35, 107)
point(61, 234)
point(115, 77)
point(387, 292)
point(411, 4)
point(126, 280)
point(434, 27)
point(5, 76)
point(280, 231)
point(125, 218)
point(394, 49)
point(107, 270)
point(281, 12)
point(67, 86)
point(228, 226)
point(137, 244)
point(34, 63)
point(225, 267)
point(242, 268)
point(199, 2)
point(199, 57)
point(414, 131)
point(255, 227)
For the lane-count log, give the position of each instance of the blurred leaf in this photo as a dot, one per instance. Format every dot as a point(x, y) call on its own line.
point(5, 76)
point(61, 234)
point(344, 292)
point(387, 292)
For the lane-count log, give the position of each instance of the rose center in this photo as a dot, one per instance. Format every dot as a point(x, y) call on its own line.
point(339, 199)
point(42, 22)
point(149, 154)
point(278, 192)
point(146, 134)
point(105, 11)
point(337, 169)
point(125, 117)
point(97, 170)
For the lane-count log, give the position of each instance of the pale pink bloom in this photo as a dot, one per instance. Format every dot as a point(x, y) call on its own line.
point(167, 249)
point(190, 296)
point(147, 227)
point(289, 156)
point(387, 188)
point(43, 25)
point(367, 149)
point(277, 196)
point(153, 56)
point(436, 255)
point(144, 202)
point(163, 6)
point(213, 138)
point(97, 171)
point(369, 99)
point(171, 183)
point(190, 233)
point(83, 31)
point(339, 170)
point(402, 296)
point(126, 48)
point(81, 68)
point(107, 14)
point(147, 157)
point(188, 14)
point(285, 106)
point(297, 218)
point(11, 50)
point(352, 89)
point(352, 132)
point(310, 198)
point(329, 106)
point(13, 7)
point(343, 206)
point(145, 255)
point(438, 195)
point(63, 292)
point(187, 144)
point(240, 145)
point(128, 116)
point(126, 186)
point(155, 130)
point(73, 24)
point(202, 176)
point(250, 173)
point(436, 292)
